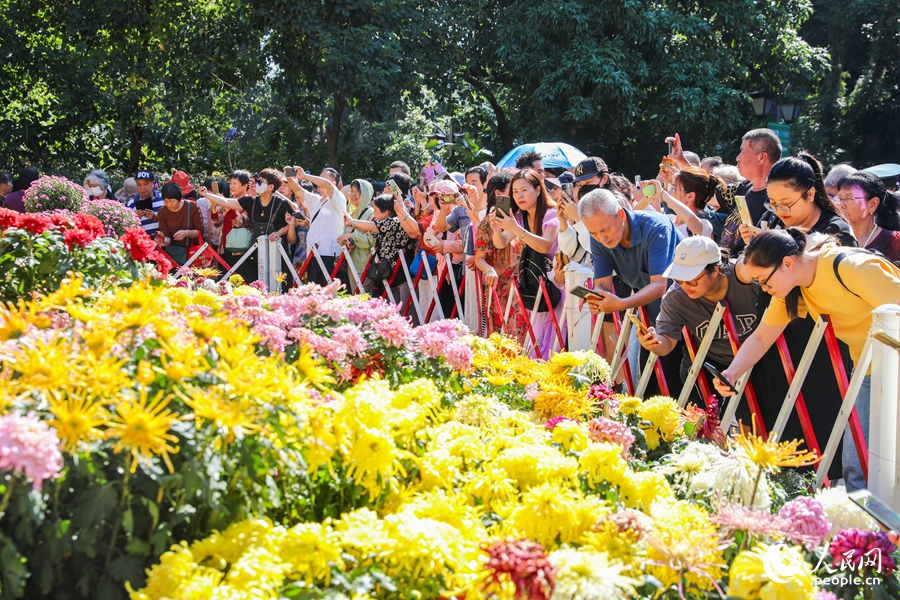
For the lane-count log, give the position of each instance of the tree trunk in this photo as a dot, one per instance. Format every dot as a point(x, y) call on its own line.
point(134, 151)
point(333, 131)
point(503, 130)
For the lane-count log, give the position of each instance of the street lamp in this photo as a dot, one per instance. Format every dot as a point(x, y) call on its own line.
point(763, 103)
point(791, 112)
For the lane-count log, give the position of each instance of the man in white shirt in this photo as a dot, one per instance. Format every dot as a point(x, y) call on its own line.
point(326, 213)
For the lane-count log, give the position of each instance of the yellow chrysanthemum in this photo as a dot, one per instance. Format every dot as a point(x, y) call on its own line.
point(550, 515)
point(772, 456)
point(771, 572)
point(663, 420)
point(141, 426)
point(571, 435)
point(77, 419)
point(312, 369)
point(311, 549)
point(533, 464)
point(629, 406)
point(603, 463)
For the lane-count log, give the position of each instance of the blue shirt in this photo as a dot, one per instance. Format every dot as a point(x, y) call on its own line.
point(652, 250)
point(459, 219)
point(155, 202)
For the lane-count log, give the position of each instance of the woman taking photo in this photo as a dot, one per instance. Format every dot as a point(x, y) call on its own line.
point(359, 243)
point(801, 275)
point(390, 240)
point(797, 198)
point(532, 222)
point(498, 265)
point(872, 212)
point(269, 215)
point(693, 189)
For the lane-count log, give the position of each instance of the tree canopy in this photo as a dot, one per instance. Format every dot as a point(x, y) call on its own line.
point(359, 83)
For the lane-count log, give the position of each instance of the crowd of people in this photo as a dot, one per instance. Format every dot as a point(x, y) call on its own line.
point(777, 238)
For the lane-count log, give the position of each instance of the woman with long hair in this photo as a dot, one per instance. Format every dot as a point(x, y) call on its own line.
point(872, 211)
point(533, 223)
point(805, 275)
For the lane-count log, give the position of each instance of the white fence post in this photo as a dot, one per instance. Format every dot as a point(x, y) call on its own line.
point(884, 452)
point(578, 319)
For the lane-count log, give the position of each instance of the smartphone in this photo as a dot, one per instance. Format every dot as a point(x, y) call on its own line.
point(637, 181)
point(394, 187)
point(431, 239)
point(215, 187)
point(568, 189)
point(882, 513)
point(637, 323)
point(670, 147)
point(584, 293)
point(503, 203)
point(718, 375)
point(886, 339)
point(290, 172)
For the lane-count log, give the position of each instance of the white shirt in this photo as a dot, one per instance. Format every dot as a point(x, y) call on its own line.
point(328, 223)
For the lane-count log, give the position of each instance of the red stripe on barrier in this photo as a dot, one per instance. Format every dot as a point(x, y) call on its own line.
point(749, 390)
point(304, 267)
point(691, 343)
point(337, 266)
point(416, 285)
point(439, 283)
point(657, 366)
point(390, 282)
point(629, 381)
point(559, 335)
point(840, 372)
point(808, 432)
point(524, 311)
point(462, 298)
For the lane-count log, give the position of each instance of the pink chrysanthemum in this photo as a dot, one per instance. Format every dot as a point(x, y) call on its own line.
point(394, 329)
point(869, 551)
point(602, 429)
point(524, 563)
point(552, 422)
point(459, 356)
point(28, 446)
point(804, 521)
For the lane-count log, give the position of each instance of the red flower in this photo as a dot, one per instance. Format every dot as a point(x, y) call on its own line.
point(143, 249)
point(58, 221)
point(34, 223)
point(91, 224)
point(78, 237)
point(525, 563)
point(8, 218)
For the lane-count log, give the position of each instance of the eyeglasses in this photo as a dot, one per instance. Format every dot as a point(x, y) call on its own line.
point(845, 199)
point(784, 209)
point(765, 283)
point(693, 282)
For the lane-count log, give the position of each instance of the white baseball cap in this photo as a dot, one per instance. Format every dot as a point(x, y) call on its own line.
point(692, 255)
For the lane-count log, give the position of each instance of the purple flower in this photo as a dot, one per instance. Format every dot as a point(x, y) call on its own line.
point(602, 429)
point(30, 447)
point(805, 521)
point(823, 595)
point(859, 550)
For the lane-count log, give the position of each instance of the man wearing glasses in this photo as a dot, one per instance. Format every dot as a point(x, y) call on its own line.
point(760, 149)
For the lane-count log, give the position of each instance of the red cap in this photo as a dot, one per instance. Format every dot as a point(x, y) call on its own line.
point(183, 181)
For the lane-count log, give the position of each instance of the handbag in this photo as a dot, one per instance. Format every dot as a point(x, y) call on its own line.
point(380, 271)
point(533, 267)
point(238, 239)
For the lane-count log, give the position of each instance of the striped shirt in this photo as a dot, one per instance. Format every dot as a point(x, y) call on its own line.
point(151, 226)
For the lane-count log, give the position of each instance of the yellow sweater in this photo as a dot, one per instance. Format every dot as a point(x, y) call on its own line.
point(875, 281)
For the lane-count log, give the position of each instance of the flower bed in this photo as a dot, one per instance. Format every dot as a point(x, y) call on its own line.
point(238, 445)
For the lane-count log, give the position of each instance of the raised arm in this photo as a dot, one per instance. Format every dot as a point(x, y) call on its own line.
point(220, 200)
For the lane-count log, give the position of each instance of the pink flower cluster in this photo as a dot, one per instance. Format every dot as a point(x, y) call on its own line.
point(28, 446)
point(604, 393)
point(553, 422)
point(804, 521)
point(602, 429)
point(863, 551)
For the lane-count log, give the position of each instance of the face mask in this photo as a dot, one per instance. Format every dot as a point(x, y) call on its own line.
point(261, 188)
point(95, 191)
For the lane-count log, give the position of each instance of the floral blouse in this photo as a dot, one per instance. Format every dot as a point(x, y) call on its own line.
point(391, 239)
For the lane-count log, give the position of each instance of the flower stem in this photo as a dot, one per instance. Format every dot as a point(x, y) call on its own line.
point(6, 497)
point(118, 524)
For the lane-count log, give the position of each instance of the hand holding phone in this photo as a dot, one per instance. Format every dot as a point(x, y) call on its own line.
point(718, 375)
point(290, 172)
point(503, 204)
point(637, 323)
point(585, 293)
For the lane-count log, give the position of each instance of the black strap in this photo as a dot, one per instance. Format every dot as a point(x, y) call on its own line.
point(841, 257)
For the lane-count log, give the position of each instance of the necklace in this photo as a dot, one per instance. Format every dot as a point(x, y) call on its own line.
point(871, 235)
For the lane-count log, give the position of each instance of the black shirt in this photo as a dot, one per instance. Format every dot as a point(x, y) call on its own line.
point(261, 214)
point(828, 223)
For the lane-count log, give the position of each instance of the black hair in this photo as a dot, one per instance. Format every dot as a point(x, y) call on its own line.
point(480, 171)
point(334, 175)
point(887, 215)
point(377, 187)
point(385, 203)
point(308, 185)
point(802, 173)
point(26, 177)
point(5, 178)
point(768, 250)
point(527, 159)
point(224, 189)
point(495, 184)
point(272, 177)
point(712, 162)
point(621, 184)
point(171, 191)
point(402, 180)
point(243, 176)
point(399, 164)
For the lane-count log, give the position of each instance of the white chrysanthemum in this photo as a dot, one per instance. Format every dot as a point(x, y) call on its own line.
point(588, 575)
point(842, 513)
point(730, 478)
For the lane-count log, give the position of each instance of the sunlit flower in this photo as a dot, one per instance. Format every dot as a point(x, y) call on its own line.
point(29, 447)
point(771, 572)
point(772, 456)
point(141, 426)
point(586, 574)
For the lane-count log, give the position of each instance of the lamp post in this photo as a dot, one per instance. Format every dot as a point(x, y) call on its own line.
point(766, 106)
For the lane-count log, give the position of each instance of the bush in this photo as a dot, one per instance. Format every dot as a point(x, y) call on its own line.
point(54, 193)
point(115, 217)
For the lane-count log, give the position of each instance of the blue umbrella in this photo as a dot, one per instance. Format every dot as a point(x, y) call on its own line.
point(552, 155)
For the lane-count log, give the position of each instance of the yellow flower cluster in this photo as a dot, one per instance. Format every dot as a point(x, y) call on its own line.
point(662, 420)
